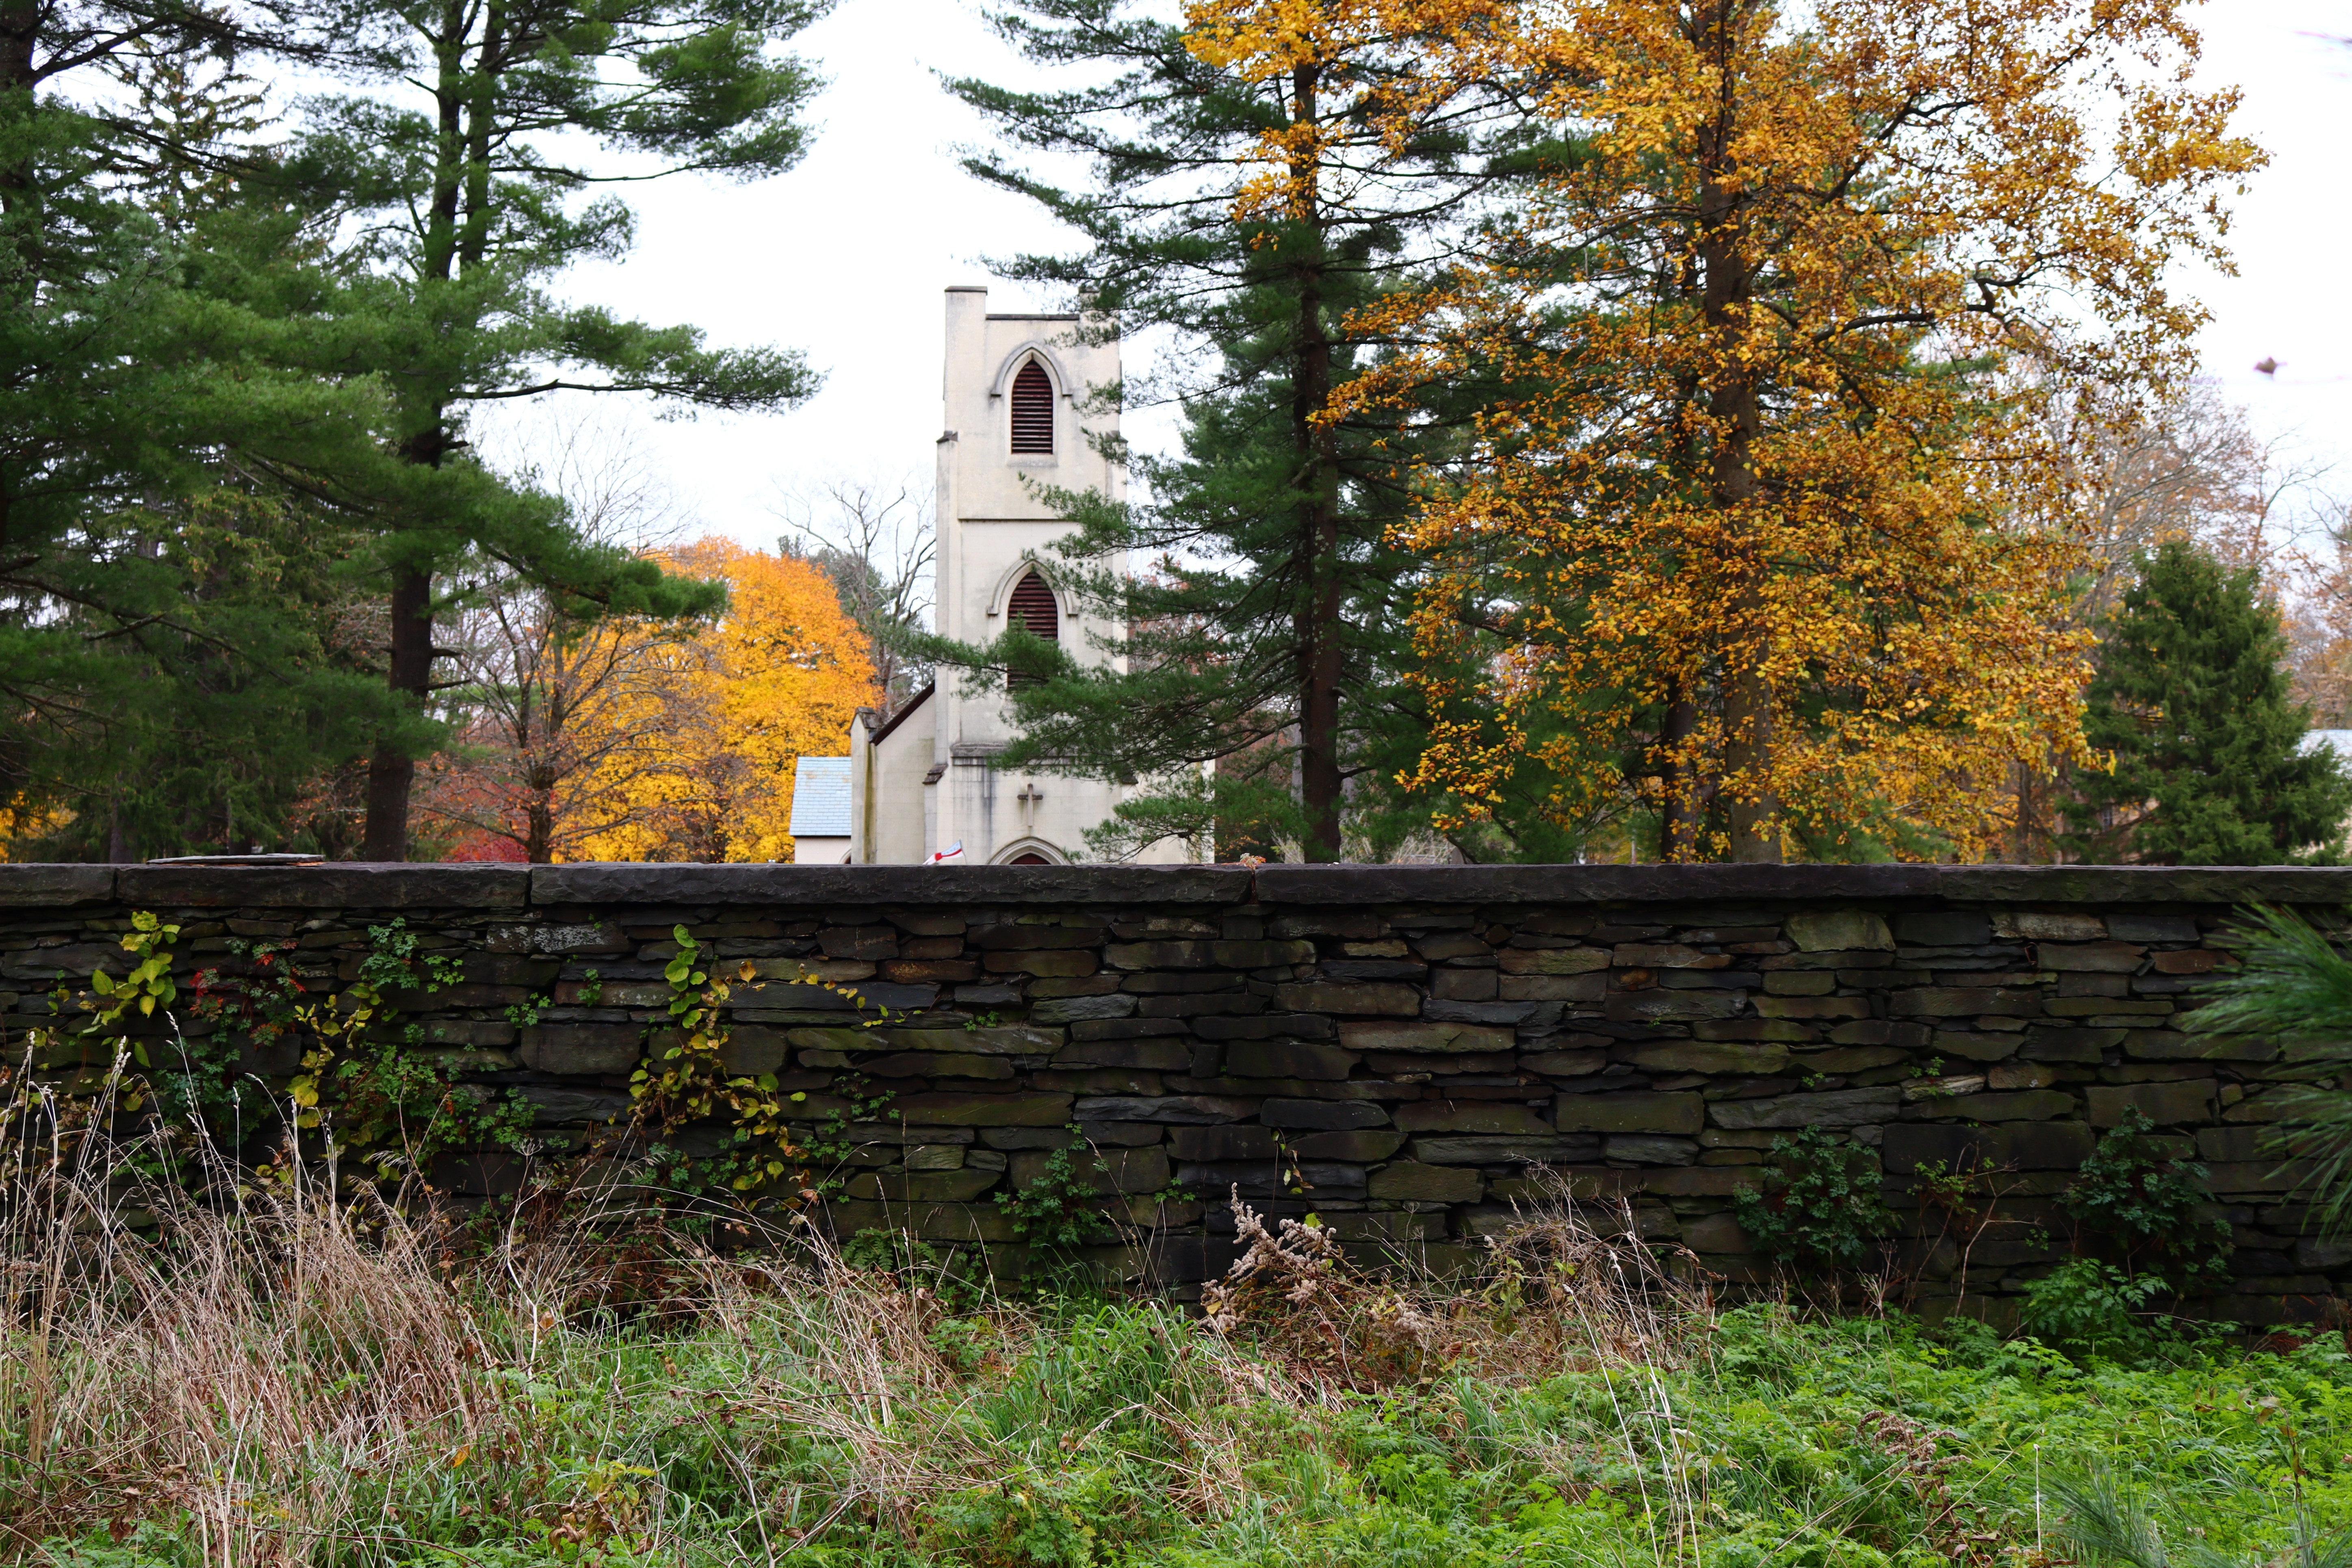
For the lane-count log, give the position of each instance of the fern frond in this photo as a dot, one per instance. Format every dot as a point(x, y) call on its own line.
point(2296, 988)
point(2107, 1523)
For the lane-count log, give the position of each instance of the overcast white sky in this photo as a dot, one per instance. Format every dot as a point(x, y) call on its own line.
point(846, 257)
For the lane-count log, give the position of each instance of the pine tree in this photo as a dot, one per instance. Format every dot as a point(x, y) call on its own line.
point(472, 207)
point(1263, 626)
point(166, 584)
point(2191, 697)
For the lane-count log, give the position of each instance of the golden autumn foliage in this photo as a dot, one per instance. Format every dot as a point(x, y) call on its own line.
point(779, 676)
point(628, 740)
point(1769, 525)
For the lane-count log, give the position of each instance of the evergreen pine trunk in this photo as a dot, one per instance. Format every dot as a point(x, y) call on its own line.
point(1320, 773)
point(392, 772)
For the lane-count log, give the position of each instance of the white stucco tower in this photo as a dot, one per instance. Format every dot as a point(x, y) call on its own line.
point(1018, 393)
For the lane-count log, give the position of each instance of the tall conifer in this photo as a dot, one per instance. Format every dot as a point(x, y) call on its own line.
point(1261, 627)
point(2192, 698)
point(473, 205)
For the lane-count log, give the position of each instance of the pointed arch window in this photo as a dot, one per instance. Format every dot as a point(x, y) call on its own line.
point(1033, 410)
point(1033, 609)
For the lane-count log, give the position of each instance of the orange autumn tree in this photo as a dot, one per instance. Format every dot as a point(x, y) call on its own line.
point(1767, 526)
point(553, 736)
point(777, 677)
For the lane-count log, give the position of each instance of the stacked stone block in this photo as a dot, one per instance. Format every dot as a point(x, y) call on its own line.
point(1391, 1048)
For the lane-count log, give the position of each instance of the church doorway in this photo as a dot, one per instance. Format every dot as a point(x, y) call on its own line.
point(1031, 858)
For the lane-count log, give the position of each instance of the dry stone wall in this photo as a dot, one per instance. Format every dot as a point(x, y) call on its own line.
point(1392, 1049)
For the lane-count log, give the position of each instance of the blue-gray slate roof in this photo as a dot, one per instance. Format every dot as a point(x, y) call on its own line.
point(821, 798)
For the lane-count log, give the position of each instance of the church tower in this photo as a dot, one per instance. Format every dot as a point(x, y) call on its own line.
point(1019, 393)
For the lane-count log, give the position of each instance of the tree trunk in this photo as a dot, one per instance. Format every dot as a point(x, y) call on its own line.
point(1753, 807)
point(20, 195)
point(1749, 703)
point(1686, 806)
point(1316, 622)
point(392, 771)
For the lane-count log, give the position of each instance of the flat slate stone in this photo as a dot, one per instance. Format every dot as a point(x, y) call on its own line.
point(1228, 1142)
point(2089, 957)
point(2152, 928)
point(1838, 931)
point(1409, 1181)
point(921, 886)
point(1334, 1115)
point(2023, 1105)
point(44, 965)
point(1434, 1037)
point(1287, 1058)
point(1668, 1007)
point(959, 1185)
point(43, 886)
point(1362, 1144)
point(1070, 1009)
point(1942, 928)
point(2166, 1104)
point(2028, 1145)
point(947, 1110)
point(582, 1047)
point(346, 885)
point(929, 1064)
point(1170, 1110)
point(1486, 1117)
point(1835, 1108)
point(1556, 961)
point(1650, 1149)
point(1680, 1113)
point(1361, 999)
point(1146, 1055)
point(1004, 1040)
point(553, 1103)
point(1471, 1151)
point(1351, 887)
point(1968, 1002)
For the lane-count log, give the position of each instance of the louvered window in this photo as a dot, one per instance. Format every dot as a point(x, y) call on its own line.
point(1032, 608)
point(1032, 409)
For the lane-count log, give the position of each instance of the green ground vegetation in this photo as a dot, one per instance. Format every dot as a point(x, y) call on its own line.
point(289, 1384)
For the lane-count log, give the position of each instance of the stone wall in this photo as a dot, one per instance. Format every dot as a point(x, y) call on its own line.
point(1407, 1040)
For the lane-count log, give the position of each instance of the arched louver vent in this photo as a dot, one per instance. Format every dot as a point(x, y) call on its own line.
point(1032, 409)
point(1032, 608)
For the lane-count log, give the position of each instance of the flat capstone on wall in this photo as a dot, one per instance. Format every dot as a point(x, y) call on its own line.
point(1391, 1049)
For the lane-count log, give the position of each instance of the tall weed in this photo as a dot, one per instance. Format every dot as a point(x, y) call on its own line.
point(267, 1375)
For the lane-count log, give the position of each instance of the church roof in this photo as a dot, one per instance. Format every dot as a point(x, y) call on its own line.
point(821, 798)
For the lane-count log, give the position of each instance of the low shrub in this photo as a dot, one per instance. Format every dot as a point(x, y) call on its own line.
point(2152, 1205)
point(300, 1382)
point(1819, 1205)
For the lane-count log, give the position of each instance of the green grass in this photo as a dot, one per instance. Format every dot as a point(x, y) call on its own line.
point(1079, 1433)
point(283, 1379)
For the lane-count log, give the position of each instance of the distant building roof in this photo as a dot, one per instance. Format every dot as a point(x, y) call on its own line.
point(821, 798)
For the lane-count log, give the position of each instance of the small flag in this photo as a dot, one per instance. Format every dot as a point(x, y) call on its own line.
point(952, 852)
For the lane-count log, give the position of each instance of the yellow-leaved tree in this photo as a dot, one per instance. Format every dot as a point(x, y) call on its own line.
point(1768, 526)
point(779, 676)
point(622, 739)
